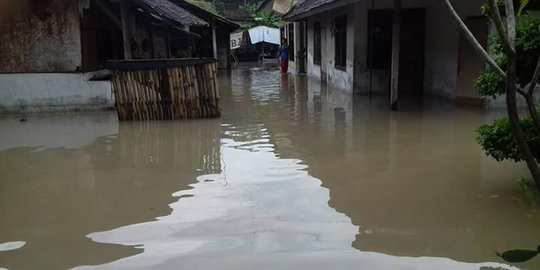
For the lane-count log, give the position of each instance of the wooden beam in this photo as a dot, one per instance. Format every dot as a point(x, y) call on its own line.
point(141, 64)
point(394, 76)
point(125, 12)
point(214, 41)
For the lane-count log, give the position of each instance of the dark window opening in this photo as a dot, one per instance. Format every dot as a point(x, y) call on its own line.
point(290, 39)
point(340, 35)
point(381, 39)
point(317, 43)
point(101, 40)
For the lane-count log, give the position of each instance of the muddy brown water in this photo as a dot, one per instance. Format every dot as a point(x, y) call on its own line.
point(295, 175)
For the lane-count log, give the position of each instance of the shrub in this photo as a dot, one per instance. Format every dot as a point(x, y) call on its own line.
point(497, 140)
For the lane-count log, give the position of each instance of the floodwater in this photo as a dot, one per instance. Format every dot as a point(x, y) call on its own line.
point(295, 175)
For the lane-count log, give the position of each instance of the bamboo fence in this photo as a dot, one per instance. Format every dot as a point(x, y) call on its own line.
point(165, 89)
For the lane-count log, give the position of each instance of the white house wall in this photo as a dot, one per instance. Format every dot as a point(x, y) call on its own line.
point(342, 79)
point(441, 46)
point(27, 92)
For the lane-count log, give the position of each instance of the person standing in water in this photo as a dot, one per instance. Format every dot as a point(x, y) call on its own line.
point(284, 56)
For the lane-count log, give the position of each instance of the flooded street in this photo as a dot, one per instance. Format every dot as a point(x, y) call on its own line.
point(294, 175)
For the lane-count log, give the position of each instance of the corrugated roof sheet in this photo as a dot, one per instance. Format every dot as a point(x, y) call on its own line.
point(205, 14)
point(304, 6)
point(173, 12)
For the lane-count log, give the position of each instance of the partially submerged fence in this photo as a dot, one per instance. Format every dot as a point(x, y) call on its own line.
point(165, 89)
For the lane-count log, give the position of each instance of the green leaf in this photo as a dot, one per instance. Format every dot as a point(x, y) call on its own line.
point(522, 6)
point(518, 255)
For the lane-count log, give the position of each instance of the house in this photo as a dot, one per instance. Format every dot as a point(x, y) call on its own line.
point(402, 48)
point(54, 52)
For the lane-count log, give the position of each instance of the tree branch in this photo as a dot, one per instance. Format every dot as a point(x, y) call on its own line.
point(533, 112)
point(521, 91)
point(535, 78)
point(469, 36)
point(496, 16)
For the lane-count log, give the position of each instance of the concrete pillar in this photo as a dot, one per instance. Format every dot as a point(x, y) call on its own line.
point(394, 76)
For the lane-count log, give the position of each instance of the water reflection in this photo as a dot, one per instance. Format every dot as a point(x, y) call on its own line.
point(54, 192)
point(295, 175)
point(240, 211)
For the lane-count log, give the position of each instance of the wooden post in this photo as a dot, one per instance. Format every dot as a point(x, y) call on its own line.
point(126, 27)
point(394, 76)
point(168, 41)
point(214, 42)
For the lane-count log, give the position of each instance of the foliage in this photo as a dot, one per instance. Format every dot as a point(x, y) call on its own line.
point(208, 6)
point(523, 5)
point(519, 255)
point(527, 47)
point(250, 8)
point(486, 9)
point(259, 18)
point(489, 83)
point(497, 140)
point(263, 18)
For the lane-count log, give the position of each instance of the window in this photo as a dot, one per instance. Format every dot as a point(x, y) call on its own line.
point(317, 43)
point(340, 35)
point(290, 40)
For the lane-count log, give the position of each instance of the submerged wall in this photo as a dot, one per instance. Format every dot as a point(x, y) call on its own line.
point(32, 92)
point(39, 36)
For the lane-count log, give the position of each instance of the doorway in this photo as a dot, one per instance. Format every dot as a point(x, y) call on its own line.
point(411, 53)
point(412, 40)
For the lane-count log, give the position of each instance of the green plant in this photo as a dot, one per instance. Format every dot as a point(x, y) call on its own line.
point(263, 18)
point(250, 8)
point(259, 18)
point(489, 83)
point(498, 141)
point(514, 70)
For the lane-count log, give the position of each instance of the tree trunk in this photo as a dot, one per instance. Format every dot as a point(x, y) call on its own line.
point(530, 97)
point(513, 118)
point(531, 106)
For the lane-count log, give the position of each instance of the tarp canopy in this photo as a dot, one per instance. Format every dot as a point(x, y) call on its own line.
point(264, 34)
point(283, 6)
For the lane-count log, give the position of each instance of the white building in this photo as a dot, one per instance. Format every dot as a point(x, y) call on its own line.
point(415, 44)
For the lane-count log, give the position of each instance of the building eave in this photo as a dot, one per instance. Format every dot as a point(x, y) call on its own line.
point(292, 16)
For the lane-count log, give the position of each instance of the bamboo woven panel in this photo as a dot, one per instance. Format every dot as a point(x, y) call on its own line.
point(167, 92)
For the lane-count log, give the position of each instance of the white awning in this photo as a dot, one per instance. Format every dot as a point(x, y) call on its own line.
point(264, 34)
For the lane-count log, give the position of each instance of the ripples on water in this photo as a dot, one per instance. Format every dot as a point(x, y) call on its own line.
point(293, 176)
